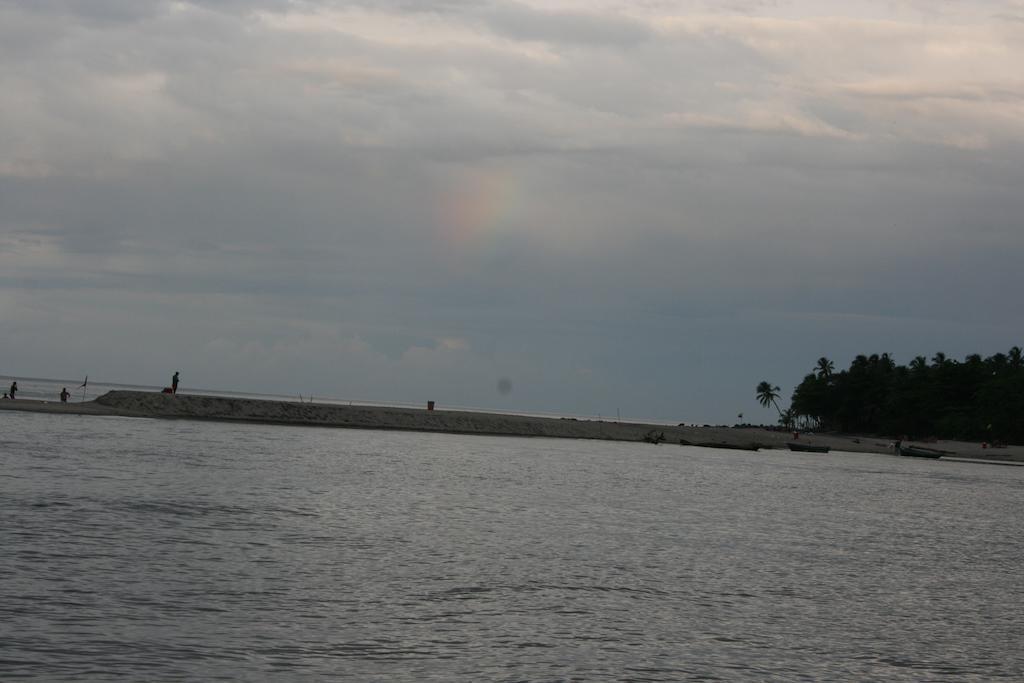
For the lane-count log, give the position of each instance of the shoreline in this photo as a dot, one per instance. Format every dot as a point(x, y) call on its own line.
point(286, 413)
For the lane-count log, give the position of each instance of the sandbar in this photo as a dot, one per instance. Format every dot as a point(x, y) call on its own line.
point(230, 409)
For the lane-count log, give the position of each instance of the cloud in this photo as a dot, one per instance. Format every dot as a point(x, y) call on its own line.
point(523, 22)
point(764, 121)
point(423, 197)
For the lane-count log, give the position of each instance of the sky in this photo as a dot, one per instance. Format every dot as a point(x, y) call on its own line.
point(580, 207)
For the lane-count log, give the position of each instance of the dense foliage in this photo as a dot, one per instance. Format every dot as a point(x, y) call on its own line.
point(974, 399)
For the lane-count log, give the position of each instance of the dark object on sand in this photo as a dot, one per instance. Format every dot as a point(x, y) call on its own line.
point(721, 444)
point(918, 452)
point(654, 437)
point(167, 390)
point(807, 448)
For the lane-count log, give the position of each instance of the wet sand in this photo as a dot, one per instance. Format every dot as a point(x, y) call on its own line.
point(188, 407)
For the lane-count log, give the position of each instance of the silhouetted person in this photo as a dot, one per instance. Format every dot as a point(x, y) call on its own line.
point(174, 383)
point(13, 390)
point(64, 395)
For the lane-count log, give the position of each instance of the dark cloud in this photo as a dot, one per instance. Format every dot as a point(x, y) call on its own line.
point(114, 11)
point(649, 211)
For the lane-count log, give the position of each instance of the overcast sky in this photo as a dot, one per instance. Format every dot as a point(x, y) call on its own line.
point(646, 206)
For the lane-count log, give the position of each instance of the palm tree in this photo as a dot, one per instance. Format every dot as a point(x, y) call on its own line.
point(1015, 357)
point(767, 394)
point(825, 367)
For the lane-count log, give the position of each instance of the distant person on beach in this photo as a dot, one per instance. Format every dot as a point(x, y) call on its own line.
point(13, 390)
point(64, 395)
point(174, 383)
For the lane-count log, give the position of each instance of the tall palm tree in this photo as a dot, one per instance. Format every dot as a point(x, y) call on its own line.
point(767, 395)
point(825, 367)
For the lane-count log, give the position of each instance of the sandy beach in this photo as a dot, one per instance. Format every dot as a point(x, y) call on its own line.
point(189, 407)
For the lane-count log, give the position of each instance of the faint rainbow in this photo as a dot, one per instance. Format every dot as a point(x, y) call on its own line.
point(478, 207)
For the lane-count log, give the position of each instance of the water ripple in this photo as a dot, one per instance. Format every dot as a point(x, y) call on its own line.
point(191, 551)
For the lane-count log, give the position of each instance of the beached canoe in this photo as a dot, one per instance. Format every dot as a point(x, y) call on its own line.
point(806, 448)
point(721, 444)
point(918, 452)
point(729, 446)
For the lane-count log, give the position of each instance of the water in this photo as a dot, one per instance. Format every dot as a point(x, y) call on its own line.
point(161, 550)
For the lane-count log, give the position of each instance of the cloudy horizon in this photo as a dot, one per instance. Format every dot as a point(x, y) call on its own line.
point(646, 207)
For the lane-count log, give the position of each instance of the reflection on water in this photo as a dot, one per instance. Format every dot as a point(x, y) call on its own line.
point(144, 550)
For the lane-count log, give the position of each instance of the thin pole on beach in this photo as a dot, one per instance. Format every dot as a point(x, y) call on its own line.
point(84, 384)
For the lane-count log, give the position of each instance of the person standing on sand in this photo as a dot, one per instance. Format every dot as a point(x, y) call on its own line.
point(174, 383)
point(64, 395)
point(13, 390)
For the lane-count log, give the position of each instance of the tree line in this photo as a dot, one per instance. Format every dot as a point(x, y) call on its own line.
point(975, 399)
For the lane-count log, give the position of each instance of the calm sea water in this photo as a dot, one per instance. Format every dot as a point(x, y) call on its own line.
point(153, 550)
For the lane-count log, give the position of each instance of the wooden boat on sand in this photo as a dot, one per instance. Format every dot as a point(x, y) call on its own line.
point(807, 448)
point(918, 452)
point(721, 444)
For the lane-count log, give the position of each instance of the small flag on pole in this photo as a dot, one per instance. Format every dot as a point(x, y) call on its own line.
point(84, 385)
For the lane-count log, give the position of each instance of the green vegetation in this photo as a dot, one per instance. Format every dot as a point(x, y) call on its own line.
point(768, 395)
point(976, 399)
